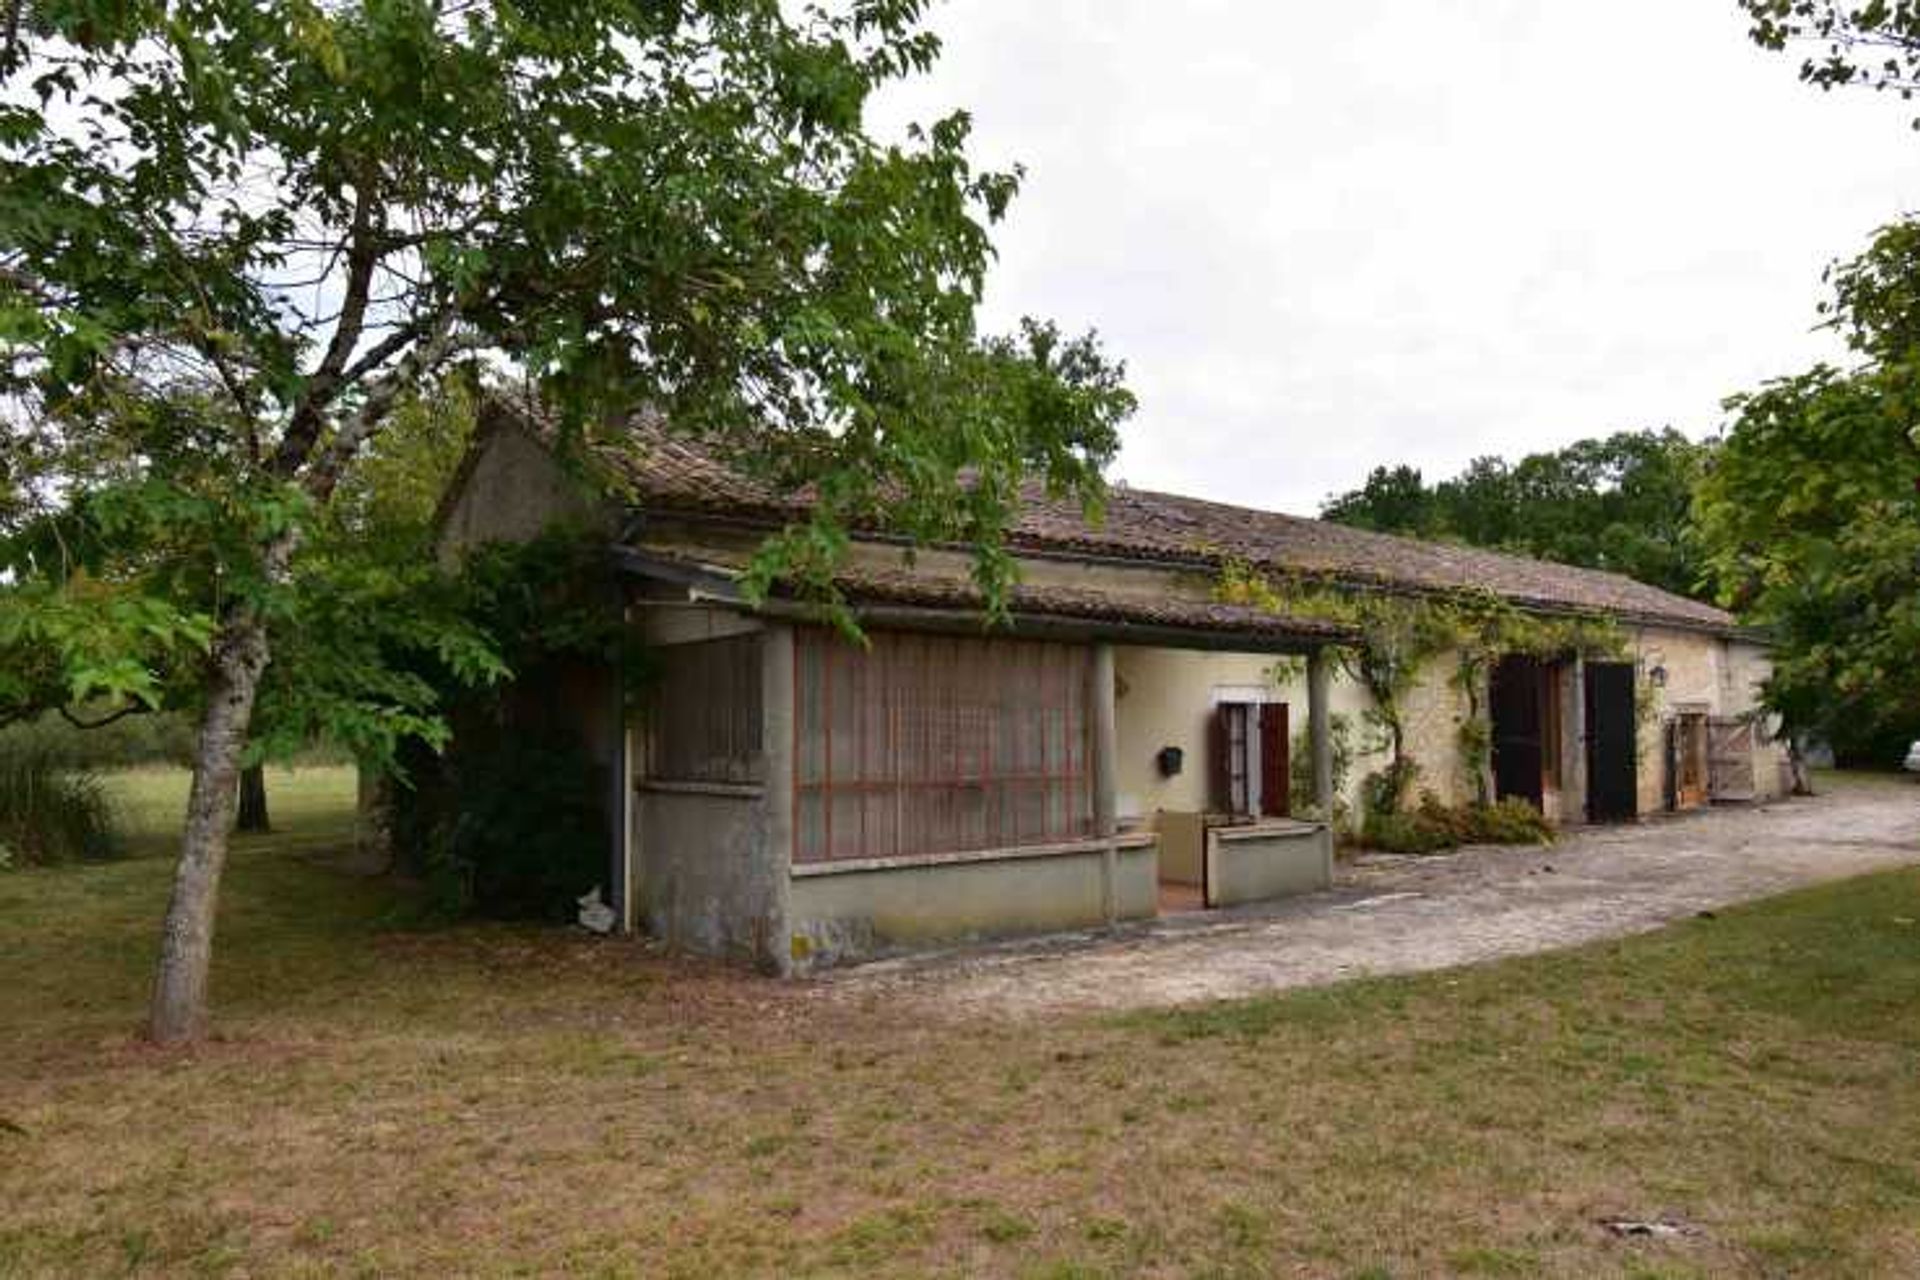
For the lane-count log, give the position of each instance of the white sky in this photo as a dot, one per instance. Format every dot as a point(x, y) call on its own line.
point(1330, 236)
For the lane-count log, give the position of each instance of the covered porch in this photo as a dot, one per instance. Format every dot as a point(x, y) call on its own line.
point(799, 797)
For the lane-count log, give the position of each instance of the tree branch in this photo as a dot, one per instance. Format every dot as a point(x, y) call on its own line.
point(363, 254)
point(382, 351)
point(131, 709)
point(442, 341)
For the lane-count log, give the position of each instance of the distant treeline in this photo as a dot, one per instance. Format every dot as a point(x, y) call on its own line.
point(1621, 503)
point(158, 738)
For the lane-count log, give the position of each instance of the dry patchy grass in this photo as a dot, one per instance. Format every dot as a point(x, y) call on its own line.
point(504, 1100)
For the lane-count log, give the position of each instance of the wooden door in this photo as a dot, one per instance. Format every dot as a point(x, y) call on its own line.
point(1612, 778)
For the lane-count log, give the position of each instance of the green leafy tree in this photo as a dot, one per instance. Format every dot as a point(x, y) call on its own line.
point(1619, 503)
point(234, 236)
point(1810, 516)
point(1846, 43)
point(1393, 500)
point(1811, 519)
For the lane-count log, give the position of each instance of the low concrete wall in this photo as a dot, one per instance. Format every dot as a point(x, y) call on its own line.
point(1267, 860)
point(838, 914)
point(700, 881)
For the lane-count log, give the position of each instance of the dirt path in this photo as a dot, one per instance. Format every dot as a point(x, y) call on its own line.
point(1395, 915)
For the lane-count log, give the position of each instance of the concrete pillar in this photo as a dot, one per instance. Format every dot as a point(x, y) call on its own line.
point(627, 876)
point(620, 803)
point(1105, 753)
point(774, 870)
point(1320, 732)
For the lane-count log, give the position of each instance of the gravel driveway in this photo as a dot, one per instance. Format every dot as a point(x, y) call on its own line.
point(1401, 914)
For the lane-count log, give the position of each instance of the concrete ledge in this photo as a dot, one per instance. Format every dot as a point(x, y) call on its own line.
point(1266, 830)
point(741, 790)
point(863, 911)
point(844, 866)
point(1267, 860)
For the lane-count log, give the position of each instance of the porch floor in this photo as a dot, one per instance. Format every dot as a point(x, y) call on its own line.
point(1176, 899)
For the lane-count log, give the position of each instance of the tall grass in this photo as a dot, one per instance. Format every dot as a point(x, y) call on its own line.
point(51, 813)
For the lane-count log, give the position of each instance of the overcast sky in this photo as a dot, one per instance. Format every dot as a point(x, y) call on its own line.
point(1329, 236)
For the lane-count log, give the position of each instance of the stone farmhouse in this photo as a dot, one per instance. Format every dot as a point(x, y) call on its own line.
point(1125, 746)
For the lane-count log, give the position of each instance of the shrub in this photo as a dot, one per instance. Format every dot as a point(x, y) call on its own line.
point(517, 829)
point(1434, 826)
point(1509, 821)
point(49, 813)
point(1406, 833)
point(1385, 791)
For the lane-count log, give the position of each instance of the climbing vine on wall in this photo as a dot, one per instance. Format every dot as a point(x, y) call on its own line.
point(1401, 634)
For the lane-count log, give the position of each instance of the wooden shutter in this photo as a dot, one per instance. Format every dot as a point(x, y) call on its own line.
point(1220, 759)
point(1729, 753)
point(1276, 779)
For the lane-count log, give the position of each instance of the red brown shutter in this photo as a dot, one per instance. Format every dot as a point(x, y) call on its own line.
point(1276, 779)
point(1220, 759)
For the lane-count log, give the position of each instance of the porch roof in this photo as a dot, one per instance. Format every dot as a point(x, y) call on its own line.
point(925, 601)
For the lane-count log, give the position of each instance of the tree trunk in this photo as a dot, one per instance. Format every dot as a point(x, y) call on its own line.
point(253, 800)
point(1802, 779)
point(179, 1011)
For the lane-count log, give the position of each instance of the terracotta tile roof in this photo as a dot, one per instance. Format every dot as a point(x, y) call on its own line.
point(1082, 604)
point(1139, 524)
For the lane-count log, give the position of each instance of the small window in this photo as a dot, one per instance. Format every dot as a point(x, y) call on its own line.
point(703, 714)
point(1249, 759)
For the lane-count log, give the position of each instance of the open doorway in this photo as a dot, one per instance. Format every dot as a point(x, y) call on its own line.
point(1518, 700)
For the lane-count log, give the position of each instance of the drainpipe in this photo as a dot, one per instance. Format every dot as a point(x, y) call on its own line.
point(1105, 821)
point(1320, 733)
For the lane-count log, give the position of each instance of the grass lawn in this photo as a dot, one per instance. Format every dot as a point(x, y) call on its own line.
point(510, 1100)
point(308, 806)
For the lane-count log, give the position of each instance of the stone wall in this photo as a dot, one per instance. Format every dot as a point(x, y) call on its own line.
point(1432, 712)
point(512, 490)
point(1718, 675)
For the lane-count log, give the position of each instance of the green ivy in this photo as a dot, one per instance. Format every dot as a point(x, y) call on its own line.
point(1401, 634)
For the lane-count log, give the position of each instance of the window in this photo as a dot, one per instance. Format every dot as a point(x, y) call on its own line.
point(923, 744)
point(703, 713)
point(1248, 759)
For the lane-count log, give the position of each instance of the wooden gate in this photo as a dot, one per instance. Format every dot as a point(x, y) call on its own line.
point(1730, 759)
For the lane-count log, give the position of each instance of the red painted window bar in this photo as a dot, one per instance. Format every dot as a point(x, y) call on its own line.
point(926, 744)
